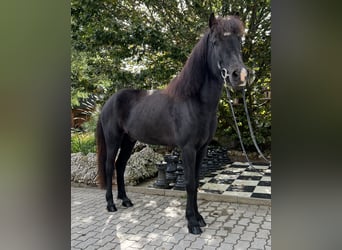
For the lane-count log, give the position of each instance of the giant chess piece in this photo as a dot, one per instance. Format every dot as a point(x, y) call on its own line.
point(204, 168)
point(161, 179)
point(214, 157)
point(180, 181)
point(171, 161)
point(226, 159)
point(221, 156)
point(210, 162)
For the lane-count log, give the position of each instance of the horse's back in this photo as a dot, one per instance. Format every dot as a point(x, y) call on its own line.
point(142, 114)
point(117, 108)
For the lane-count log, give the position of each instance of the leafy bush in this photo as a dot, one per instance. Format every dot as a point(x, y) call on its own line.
point(83, 142)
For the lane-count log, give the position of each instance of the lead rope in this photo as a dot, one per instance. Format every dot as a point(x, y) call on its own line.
point(251, 128)
point(224, 75)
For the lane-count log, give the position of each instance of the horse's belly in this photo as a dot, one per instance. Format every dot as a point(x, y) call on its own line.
point(151, 128)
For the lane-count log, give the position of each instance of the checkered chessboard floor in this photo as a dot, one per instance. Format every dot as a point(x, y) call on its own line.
point(236, 179)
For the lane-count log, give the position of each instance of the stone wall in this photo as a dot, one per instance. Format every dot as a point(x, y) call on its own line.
point(84, 168)
point(140, 166)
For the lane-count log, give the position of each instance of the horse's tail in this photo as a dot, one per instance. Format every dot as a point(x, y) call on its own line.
point(101, 155)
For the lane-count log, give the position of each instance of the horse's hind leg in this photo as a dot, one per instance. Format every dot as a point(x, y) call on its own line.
point(112, 150)
point(120, 164)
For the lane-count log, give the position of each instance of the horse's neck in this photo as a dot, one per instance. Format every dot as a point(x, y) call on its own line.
point(195, 80)
point(210, 87)
point(210, 93)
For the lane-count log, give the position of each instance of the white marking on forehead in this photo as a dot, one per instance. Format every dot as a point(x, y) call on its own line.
point(227, 34)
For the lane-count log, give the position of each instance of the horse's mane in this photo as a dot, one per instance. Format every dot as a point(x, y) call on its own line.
point(188, 81)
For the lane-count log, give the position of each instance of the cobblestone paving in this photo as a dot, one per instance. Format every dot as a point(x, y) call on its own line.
point(158, 222)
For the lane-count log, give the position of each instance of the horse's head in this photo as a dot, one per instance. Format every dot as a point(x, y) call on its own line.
point(224, 50)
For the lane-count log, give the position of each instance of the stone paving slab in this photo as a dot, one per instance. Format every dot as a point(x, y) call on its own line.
point(158, 222)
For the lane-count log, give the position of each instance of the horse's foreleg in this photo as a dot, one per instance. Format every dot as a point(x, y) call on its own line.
point(189, 161)
point(125, 152)
point(199, 157)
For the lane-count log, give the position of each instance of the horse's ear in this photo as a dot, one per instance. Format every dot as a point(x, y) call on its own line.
point(212, 20)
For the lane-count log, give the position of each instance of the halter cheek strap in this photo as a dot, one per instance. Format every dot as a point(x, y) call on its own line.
point(218, 65)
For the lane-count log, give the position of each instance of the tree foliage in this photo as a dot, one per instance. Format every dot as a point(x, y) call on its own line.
point(144, 44)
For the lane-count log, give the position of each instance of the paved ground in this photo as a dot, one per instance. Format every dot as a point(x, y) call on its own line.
point(158, 222)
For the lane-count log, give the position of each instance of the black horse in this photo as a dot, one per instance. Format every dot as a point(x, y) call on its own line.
point(183, 114)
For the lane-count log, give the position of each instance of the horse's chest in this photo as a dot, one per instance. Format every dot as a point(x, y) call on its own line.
point(196, 129)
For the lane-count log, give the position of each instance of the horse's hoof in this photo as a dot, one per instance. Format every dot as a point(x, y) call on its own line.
point(127, 203)
point(111, 208)
point(201, 222)
point(195, 229)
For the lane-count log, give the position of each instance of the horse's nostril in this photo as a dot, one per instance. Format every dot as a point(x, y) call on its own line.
point(235, 74)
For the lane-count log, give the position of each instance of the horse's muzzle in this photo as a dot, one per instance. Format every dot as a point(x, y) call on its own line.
point(239, 77)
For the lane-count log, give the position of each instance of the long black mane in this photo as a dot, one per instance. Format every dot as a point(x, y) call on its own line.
point(187, 83)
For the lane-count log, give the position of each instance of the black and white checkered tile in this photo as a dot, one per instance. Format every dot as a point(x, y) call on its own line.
point(237, 179)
